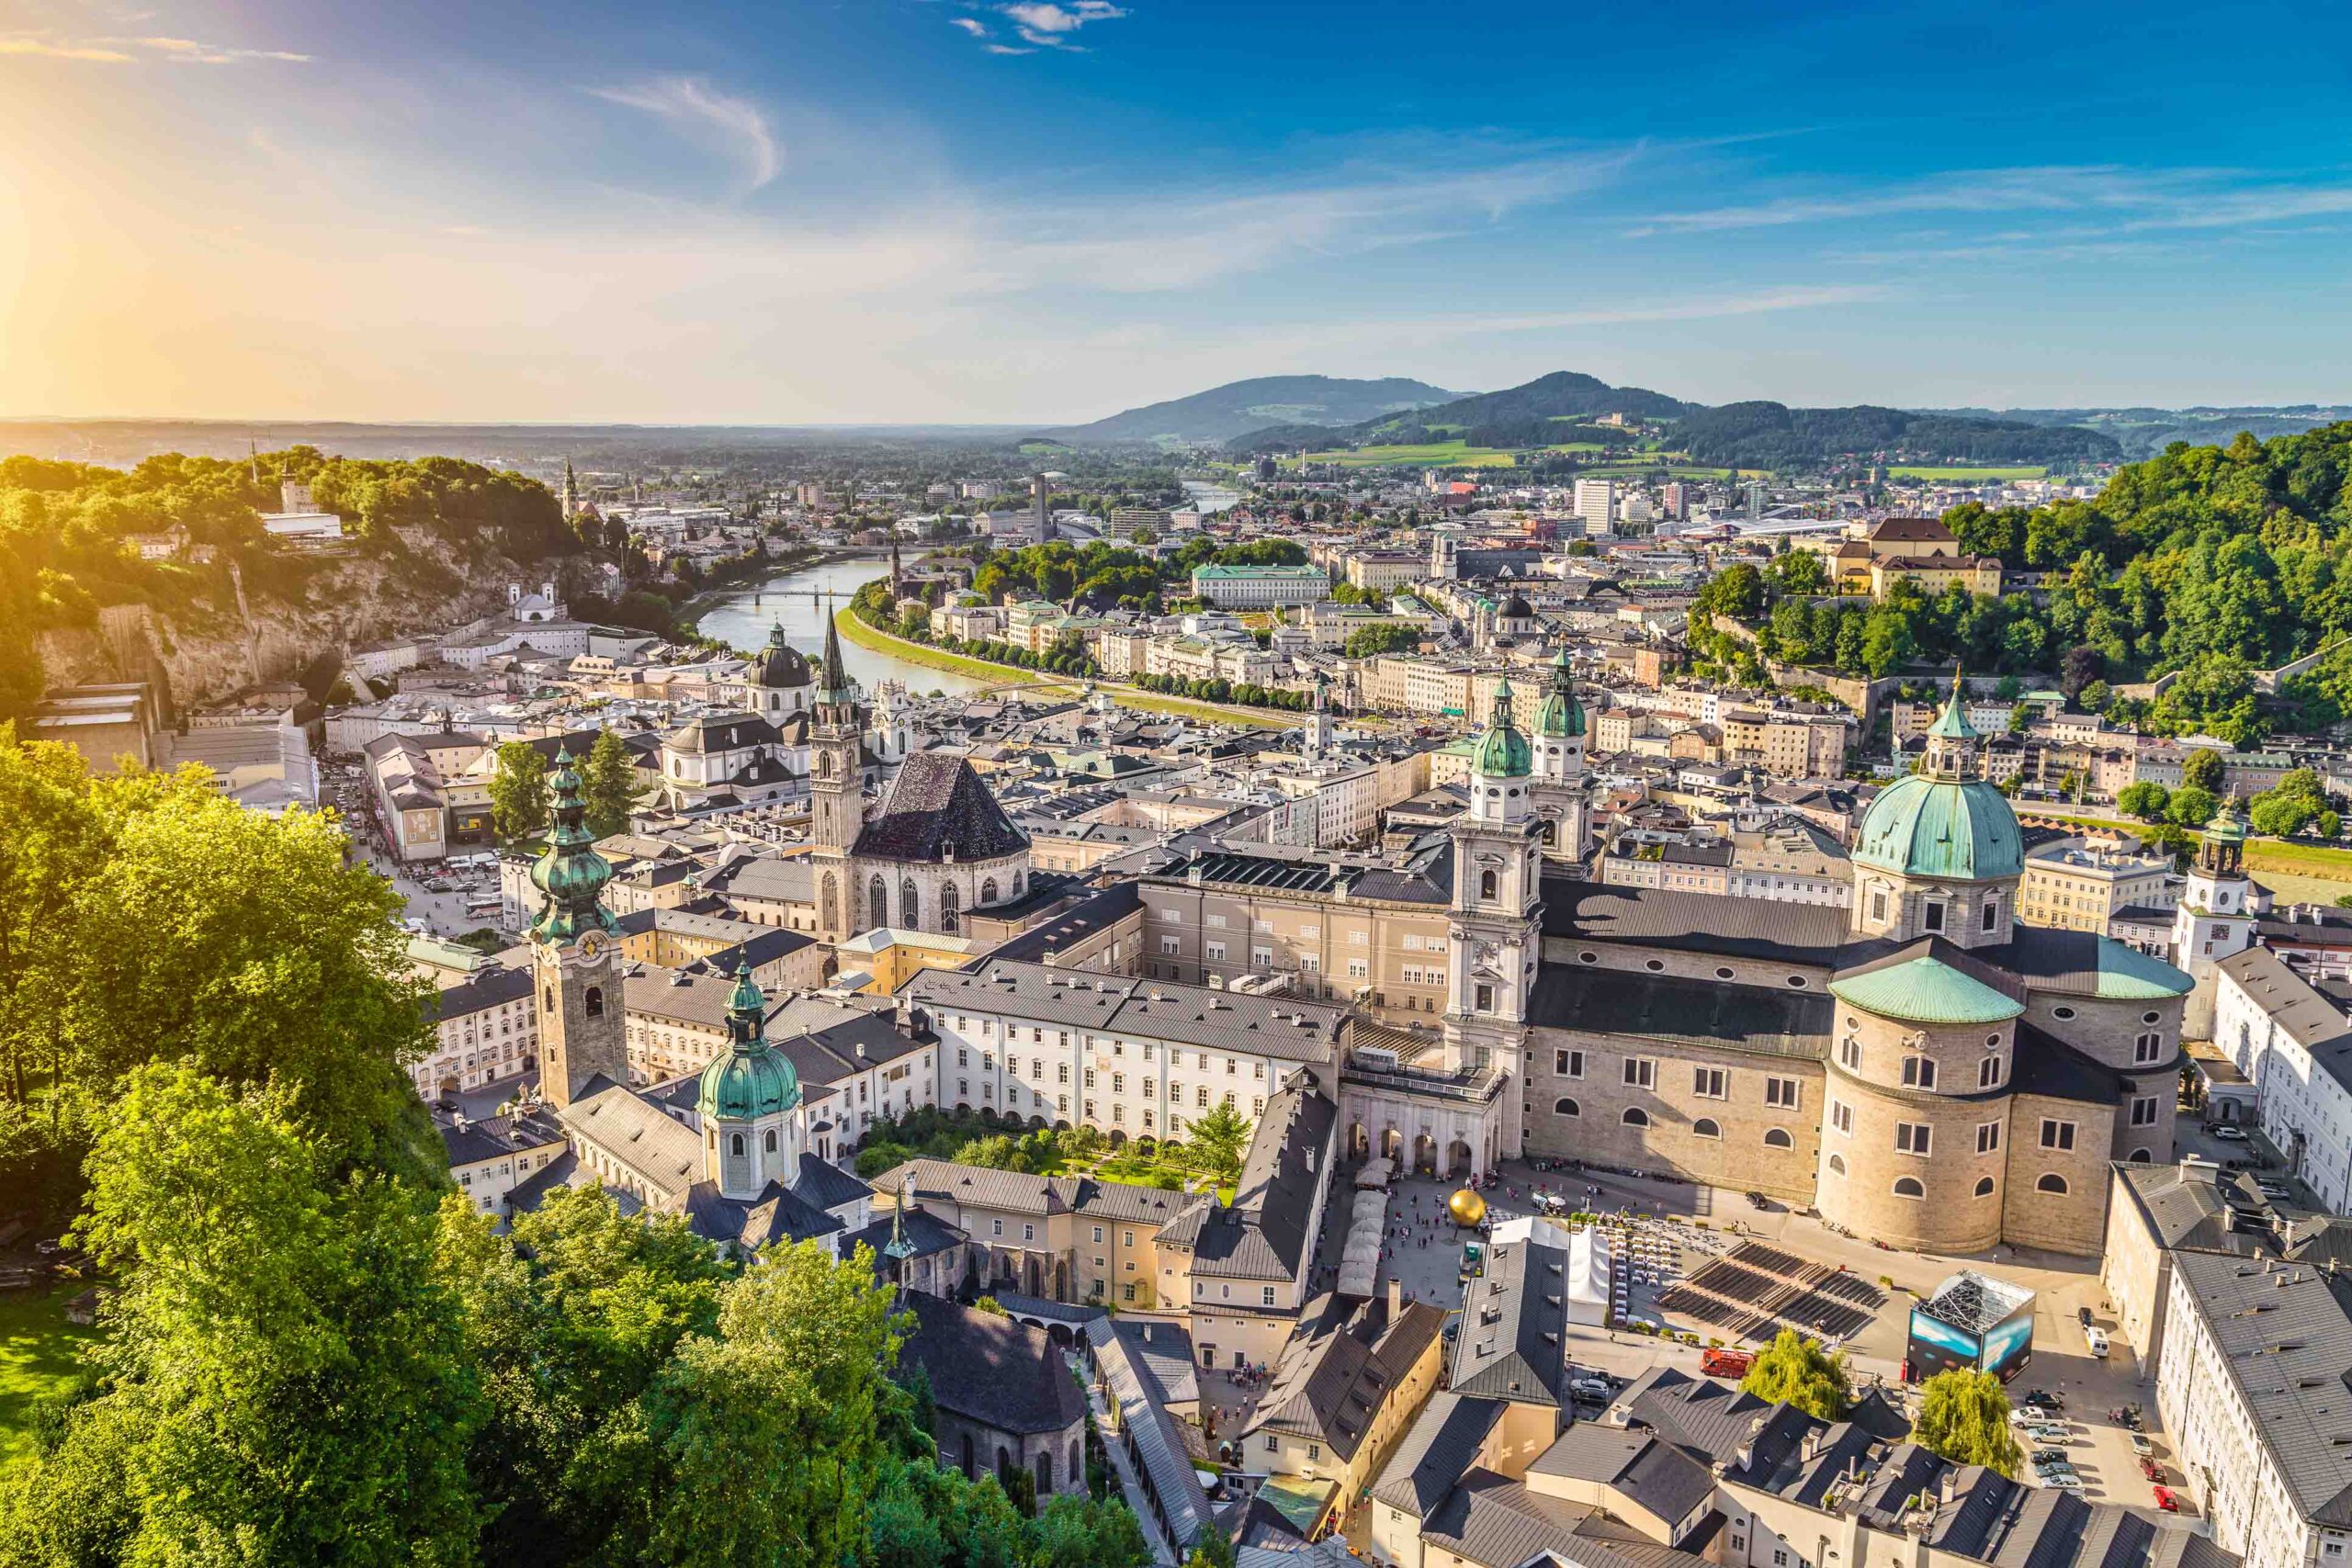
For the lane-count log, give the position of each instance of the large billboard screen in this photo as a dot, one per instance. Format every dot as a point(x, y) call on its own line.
point(2009, 1342)
point(1938, 1346)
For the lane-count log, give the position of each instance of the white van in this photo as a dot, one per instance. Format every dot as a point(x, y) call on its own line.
point(2095, 1338)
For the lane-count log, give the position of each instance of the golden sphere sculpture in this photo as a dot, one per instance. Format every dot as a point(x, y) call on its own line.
point(1466, 1207)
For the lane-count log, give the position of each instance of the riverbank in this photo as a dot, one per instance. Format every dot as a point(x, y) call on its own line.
point(1006, 677)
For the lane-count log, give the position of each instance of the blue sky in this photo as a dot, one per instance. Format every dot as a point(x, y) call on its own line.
point(937, 210)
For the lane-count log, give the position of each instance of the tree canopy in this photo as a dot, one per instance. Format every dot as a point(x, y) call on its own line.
point(1797, 1369)
point(1964, 1417)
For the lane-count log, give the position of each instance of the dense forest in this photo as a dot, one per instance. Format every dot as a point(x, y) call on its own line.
point(1773, 436)
point(65, 533)
point(2211, 562)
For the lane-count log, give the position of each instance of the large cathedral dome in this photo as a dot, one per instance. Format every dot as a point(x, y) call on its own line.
point(1938, 824)
point(781, 664)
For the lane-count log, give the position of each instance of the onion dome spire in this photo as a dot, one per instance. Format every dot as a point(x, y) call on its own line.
point(571, 876)
point(1562, 717)
point(1504, 753)
point(751, 1079)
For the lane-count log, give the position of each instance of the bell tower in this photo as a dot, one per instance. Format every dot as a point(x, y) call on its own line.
point(836, 788)
point(574, 959)
point(2215, 919)
point(1559, 790)
point(1495, 943)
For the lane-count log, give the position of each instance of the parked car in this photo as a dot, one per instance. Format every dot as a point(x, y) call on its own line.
point(2095, 1339)
point(1592, 1389)
point(2141, 1446)
point(1719, 1362)
point(2083, 1315)
point(2167, 1501)
point(2068, 1482)
point(2228, 1134)
point(2050, 1456)
point(2031, 1416)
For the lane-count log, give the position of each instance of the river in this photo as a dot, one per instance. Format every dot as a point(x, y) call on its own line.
point(742, 618)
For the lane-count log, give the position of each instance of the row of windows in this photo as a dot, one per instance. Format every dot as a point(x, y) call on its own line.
point(1704, 1127)
point(2049, 1181)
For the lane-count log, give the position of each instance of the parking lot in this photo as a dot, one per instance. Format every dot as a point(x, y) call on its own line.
point(437, 893)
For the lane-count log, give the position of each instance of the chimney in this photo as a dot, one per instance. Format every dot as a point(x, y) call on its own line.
point(1395, 1298)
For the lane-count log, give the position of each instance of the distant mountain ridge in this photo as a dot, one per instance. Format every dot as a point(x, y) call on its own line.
point(1238, 407)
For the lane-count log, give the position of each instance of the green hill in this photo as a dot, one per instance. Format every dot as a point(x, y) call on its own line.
point(1239, 407)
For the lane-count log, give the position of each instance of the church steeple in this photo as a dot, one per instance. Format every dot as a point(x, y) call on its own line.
point(746, 1100)
point(571, 876)
point(570, 492)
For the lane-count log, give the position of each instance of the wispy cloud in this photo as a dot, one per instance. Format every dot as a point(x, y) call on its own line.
point(730, 124)
point(128, 50)
point(971, 25)
point(2101, 201)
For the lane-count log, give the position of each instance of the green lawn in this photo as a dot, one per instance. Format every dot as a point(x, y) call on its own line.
point(1963, 473)
point(37, 1354)
point(1429, 454)
point(2299, 860)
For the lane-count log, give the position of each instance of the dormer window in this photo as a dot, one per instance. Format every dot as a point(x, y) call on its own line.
point(1931, 916)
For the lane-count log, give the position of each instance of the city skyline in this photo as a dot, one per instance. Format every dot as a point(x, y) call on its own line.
point(924, 211)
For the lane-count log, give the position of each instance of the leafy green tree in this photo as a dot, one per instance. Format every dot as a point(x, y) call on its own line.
point(2192, 807)
point(1737, 591)
point(2204, 769)
point(245, 945)
point(2146, 800)
point(1218, 1139)
point(518, 793)
point(1395, 637)
point(1797, 1369)
point(2280, 814)
point(283, 1380)
point(767, 1432)
point(1214, 1549)
point(1797, 572)
point(1964, 1417)
point(1080, 1532)
point(608, 784)
point(51, 840)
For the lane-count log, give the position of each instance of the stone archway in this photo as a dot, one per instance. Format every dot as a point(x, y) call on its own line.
point(1425, 1153)
point(1459, 1160)
point(1392, 1143)
point(1359, 1141)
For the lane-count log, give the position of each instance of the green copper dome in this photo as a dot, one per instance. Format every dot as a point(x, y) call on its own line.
point(1958, 829)
point(1926, 990)
point(571, 876)
point(1503, 752)
point(752, 1078)
point(1562, 717)
point(1938, 822)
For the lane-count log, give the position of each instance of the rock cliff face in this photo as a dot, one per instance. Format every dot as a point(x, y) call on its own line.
point(247, 631)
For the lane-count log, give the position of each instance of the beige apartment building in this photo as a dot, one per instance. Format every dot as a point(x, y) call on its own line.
point(1377, 934)
point(1787, 746)
point(1058, 1237)
point(2080, 884)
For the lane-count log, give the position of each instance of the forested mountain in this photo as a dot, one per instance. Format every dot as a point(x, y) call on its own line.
point(2211, 562)
point(2144, 432)
point(1527, 415)
point(1773, 436)
point(1238, 407)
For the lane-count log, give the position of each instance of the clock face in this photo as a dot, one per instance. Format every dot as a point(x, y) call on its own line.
point(592, 945)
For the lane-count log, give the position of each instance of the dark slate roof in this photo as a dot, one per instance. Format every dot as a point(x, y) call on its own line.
point(1501, 1523)
point(486, 988)
point(926, 1236)
point(721, 732)
point(939, 807)
point(1674, 1008)
point(990, 1370)
point(1698, 1413)
point(1640, 1466)
point(1699, 923)
point(2047, 1066)
point(824, 1185)
point(492, 1136)
point(1436, 1450)
point(2290, 1348)
point(774, 1216)
point(1511, 1345)
point(1334, 1375)
point(2298, 1007)
point(1262, 1235)
point(1091, 917)
point(1428, 880)
point(2193, 1212)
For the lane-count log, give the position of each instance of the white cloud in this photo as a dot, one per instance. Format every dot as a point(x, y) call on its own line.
point(733, 125)
point(1052, 26)
point(971, 25)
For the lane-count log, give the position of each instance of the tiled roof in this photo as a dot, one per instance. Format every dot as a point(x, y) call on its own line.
point(992, 1370)
point(2289, 1347)
point(1678, 1008)
point(635, 1133)
point(1734, 928)
point(938, 809)
point(1511, 1345)
point(1440, 1446)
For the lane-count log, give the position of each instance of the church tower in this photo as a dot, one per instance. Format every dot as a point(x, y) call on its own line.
point(570, 492)
point(749, 1101)
point(1319, 722)
point(2215, 919)
point(1495, 943)
point(575, 960)
point(1563, 801)
point(1939, 853)
point(836, 787)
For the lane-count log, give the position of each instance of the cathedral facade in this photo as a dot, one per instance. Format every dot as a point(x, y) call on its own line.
point(938, 846)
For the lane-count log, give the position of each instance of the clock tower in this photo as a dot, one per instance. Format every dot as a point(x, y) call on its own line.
point(836, 790)
point(575, 960)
